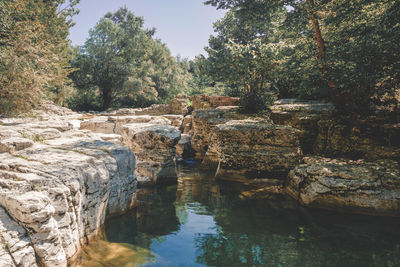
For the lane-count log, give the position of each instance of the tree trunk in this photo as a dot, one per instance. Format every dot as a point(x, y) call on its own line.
point(107, 97)
point(321, 47)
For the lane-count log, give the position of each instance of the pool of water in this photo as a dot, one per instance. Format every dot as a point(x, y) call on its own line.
point(198, 222)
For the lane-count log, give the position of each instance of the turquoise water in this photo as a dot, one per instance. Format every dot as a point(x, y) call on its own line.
point(201, 223)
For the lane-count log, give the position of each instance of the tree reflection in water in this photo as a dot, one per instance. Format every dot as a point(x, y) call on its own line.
point(199, 222)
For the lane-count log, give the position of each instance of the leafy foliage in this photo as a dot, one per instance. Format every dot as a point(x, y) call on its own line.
point(34, 52)
point(344, 51)
point(124, 64)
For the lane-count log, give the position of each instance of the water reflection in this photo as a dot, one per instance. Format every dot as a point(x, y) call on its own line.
point(201, 223)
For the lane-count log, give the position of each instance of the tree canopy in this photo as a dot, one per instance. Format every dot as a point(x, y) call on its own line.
point(344, 51)
point(34, 52)
point(125, 63)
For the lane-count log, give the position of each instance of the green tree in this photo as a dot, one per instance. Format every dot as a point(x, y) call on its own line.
point(244, 54)
point(123, 61)
point(344, 51)
point(34, 52)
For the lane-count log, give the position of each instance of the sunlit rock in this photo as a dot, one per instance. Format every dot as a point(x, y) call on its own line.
point(154, 148)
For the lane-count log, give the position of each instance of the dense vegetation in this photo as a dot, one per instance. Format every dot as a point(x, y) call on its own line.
point(343, 51)
point(34, 52)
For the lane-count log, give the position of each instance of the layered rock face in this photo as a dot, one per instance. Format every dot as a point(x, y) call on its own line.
point(207, 102)
point(203, 123)
point(259, 154)
point(56, 193)
point(369, 141)
point(179, 105)
point(254, 149)
point(354, 186)
point(303, 115)
point(154, 148)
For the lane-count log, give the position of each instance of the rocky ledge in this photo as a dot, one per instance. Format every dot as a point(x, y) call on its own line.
point(56, 194)
point(63, 173)
point(347, 185)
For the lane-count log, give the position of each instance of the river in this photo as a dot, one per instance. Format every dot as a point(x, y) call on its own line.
point(199, 222)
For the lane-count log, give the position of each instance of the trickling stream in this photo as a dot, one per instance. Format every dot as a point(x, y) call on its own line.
point(201, 223)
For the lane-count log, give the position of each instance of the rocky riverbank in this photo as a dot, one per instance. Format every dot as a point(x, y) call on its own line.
point(62, 173)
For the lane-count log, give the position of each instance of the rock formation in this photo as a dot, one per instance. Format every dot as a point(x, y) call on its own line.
point(203, 122)
point(254, 149)
point(63, 173)
point(207, 102)
point(353, 186)
point(56, 193)
point(154, 148)
point(303, 115)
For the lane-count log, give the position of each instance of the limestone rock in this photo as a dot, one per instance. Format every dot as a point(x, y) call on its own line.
point(155, 110)
point(16, 241)
point(354, 186)
point(113, 124)
point(57, 194)
point(369, 141)
point(14, 144)
point(253, 149)
point(179, 105)
point(184, 148)
point(154, 148)
point(207, 102)
point(303, 115)
point(203, 123)
point(98, 125)
point(187, 125)
point(176, 120)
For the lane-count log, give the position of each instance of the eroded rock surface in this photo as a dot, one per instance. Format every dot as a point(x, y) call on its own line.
point(179, 105)
point(303, 115)
point(203, 123)
point(354, 186)
point(58, 184)
point(154, 148)
point(207, 102)
point(369, 140)
point(253, 149)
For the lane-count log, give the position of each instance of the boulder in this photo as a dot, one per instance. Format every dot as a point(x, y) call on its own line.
point(352, 186)
point(154, 148)
point(207, 102)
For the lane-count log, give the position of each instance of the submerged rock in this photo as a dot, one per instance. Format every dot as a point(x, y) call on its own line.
point(353, 186)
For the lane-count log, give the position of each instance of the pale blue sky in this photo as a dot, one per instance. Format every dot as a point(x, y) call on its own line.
point(184, 25)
